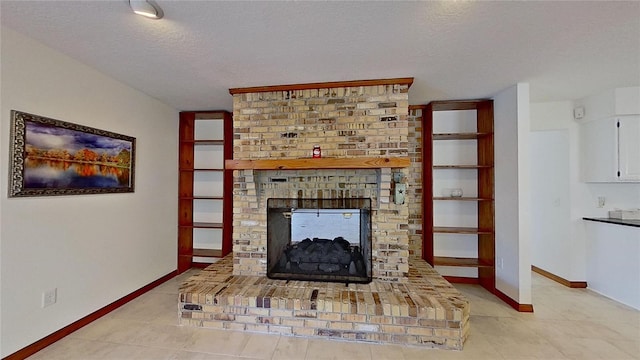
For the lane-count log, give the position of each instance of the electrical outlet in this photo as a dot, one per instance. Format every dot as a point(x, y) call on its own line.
point(499, 263)
point(49, 297)
point(601, 200)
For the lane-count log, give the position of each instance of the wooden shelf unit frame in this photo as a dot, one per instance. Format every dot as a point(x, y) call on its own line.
point(484, 172)
point(220, 192)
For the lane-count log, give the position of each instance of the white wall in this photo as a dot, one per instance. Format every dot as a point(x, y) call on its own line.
point(512, 202)
point(611, 102)
point(550, 201)
point(93, 248)
point(617, 196)
point(561, 250)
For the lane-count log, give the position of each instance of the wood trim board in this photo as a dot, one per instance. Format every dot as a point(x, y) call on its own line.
point(322, 85)
point(514, 304)
point(558, 279)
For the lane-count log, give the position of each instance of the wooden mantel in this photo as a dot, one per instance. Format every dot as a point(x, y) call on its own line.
point(319, 163)
point(322, 85)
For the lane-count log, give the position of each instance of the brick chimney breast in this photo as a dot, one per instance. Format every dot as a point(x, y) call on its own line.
point(347, 122)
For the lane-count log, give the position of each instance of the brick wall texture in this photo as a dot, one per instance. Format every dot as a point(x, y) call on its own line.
point(346, 122)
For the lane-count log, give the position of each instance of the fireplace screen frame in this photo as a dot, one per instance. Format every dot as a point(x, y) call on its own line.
point(279, 211)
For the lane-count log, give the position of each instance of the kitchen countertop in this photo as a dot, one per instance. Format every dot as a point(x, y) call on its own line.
point(635, 223)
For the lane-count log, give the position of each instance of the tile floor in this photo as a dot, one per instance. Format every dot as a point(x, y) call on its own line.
point(567, 324)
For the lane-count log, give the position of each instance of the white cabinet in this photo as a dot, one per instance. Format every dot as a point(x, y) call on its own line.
point(611, 149)
point(629, 148)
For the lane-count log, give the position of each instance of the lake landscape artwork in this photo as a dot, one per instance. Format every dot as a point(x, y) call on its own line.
point(52, 157)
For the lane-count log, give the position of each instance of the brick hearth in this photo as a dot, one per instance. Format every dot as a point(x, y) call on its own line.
point(426, 310)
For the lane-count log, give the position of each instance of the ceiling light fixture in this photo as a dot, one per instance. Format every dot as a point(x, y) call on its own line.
point(146, 8)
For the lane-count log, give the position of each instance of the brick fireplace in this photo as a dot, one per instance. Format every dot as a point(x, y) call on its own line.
point(362, 128)
point(360, 122)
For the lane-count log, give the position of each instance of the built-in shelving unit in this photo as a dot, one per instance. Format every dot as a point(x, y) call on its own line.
point(458, 226)
point(205, 203)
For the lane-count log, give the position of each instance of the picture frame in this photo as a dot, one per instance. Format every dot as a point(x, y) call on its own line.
point(54, 157)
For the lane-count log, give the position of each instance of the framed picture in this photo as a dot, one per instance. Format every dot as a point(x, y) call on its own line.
point(53, 157)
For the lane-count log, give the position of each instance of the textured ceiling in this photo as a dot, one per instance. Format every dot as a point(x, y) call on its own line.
point(453, 49)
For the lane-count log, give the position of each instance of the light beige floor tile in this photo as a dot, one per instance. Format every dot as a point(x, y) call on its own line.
point(149, 334)
point(190, 355)
point(70, 348)
point(500, 326)
point(421, 353)
point(569, 306)
point(290, 348)
point(476, 347)
point(337, 350)
point(589, 349)
point(515, 347)
point(629, 347)
point(484, 303)
point(629, 319)
point(627, 330)
point(551, 329)
point(134, 310)
point(386, 352)
point(79, 349)
point(225, 342)
point(134, 352)
point(151, 307)
point(172, 285)
point(260, 346)
point(100, 328)
point(163, 309)
point(540, 312)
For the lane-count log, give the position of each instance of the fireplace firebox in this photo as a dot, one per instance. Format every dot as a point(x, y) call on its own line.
point(319, 239)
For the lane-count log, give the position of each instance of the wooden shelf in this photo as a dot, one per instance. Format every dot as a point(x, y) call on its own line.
point(195, 197)
point(208, 169)
point(460, 230)
point(453, 198)
point(462, 262)
point(208, 142)
point(207, 253)
point(207, 225)
point(463, 167)
point(203, 142)
point(319, 163)
point(201, 169)
point(459, 136)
